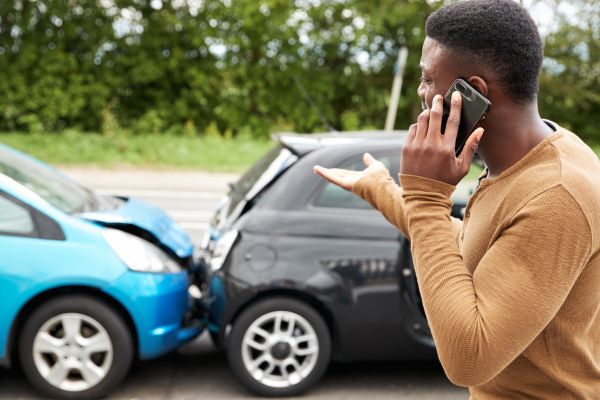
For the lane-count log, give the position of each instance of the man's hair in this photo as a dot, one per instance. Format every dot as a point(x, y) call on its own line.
point(497, 33)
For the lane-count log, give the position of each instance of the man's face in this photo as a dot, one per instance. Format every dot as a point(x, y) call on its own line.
point(437, 72)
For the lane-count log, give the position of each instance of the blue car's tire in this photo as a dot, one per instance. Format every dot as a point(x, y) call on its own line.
point(75, 347)
point(279, 347)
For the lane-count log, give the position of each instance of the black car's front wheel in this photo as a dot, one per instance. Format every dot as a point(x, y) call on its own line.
point(279, 347)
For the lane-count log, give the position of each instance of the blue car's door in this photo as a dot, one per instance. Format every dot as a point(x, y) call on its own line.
point(17, 244)
point(35, 256)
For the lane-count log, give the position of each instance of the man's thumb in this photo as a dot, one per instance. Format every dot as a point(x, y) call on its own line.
point(368, 159)
point(471, 146)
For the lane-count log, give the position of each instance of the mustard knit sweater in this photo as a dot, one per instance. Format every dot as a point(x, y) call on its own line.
point(512, 294)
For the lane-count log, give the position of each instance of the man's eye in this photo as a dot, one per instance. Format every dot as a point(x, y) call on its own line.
point(424, 80)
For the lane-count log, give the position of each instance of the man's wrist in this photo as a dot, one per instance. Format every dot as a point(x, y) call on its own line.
point(420, 184)
point(362, 186)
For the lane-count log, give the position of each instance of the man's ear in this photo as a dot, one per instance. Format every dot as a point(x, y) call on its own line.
point(479, 83)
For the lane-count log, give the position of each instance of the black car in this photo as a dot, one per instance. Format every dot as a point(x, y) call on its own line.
point(300, 271)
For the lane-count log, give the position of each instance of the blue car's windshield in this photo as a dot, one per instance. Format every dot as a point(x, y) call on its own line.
point(57, 189)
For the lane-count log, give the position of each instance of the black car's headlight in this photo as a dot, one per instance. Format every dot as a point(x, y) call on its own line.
point(222, 248)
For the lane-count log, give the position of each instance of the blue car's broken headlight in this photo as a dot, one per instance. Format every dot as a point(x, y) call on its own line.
point(138, 254)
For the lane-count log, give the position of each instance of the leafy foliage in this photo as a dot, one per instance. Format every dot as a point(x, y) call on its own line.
point(243, 67)
point(570, 82)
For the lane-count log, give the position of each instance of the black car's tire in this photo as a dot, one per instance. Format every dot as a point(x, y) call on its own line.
point(295, 355)
point(72, 333)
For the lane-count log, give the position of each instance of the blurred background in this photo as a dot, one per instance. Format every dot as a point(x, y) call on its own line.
point(168, 82)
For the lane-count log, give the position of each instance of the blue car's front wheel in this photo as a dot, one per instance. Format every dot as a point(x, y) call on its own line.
point(75, 347)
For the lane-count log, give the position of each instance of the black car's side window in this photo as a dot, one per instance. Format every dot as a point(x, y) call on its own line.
point(333, 196)
point(15, 219)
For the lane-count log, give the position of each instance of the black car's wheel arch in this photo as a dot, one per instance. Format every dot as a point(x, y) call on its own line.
point(41, 298)
point(296, 294)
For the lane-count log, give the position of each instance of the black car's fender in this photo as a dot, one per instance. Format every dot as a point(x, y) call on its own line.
point(231, 296)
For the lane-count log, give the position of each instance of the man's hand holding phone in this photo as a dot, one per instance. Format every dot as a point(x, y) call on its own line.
point(429, 153)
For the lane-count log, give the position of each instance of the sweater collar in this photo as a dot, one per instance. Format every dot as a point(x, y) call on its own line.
point(484, 181)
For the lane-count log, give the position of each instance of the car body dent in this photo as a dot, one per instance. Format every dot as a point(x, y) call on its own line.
point(141, 215)
point(353, 288)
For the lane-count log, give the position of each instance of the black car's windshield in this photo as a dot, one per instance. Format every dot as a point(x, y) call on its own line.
point(58, 190)
point(277, 160)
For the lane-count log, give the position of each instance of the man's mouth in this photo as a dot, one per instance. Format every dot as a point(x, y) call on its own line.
point(424, 106)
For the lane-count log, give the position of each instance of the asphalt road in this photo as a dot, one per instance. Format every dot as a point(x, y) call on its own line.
point(198, 370)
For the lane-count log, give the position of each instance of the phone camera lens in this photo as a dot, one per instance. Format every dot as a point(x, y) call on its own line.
point(465, 90)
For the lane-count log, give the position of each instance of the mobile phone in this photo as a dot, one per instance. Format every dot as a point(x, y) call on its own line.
point(474, 107)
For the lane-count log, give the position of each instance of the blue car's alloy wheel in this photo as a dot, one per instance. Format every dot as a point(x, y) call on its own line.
point(279, 347)
point(73, 352)
point(75, 347)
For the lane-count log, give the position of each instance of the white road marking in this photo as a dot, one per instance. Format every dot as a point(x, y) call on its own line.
point(162, 194)
point(186, 214)
point(194, 226)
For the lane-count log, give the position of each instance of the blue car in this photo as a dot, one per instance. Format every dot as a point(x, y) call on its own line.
point(88, 282)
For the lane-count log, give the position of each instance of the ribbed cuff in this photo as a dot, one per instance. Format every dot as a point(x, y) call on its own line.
point(420, 184)
point(362, 185)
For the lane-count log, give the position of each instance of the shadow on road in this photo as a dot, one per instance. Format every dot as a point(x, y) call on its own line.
point(199, 371)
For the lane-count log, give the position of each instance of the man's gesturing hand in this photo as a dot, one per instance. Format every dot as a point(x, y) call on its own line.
point(345, 178)
point(429, 153)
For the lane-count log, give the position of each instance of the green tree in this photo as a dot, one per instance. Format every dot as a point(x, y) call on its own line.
point(570, 81)
point(168, 76)
point(50, 58)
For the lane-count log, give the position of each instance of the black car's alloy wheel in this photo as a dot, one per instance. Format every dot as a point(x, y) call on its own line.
point(75, 347)
point(279, 347)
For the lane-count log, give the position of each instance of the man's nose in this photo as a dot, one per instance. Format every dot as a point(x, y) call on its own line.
point(421, 91)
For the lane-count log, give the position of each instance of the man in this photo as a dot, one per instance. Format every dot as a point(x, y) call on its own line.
point(512, 294)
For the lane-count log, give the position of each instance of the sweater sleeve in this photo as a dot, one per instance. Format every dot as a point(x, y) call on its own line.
point(482, 322)
point(380, 190)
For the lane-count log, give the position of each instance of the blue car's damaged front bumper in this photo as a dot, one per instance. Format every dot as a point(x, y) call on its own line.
point(159, 305)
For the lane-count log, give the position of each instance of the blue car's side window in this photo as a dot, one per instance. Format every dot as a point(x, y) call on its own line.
point(15, 219)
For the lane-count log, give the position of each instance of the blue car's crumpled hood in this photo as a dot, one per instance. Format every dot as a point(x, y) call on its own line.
point(150, 218)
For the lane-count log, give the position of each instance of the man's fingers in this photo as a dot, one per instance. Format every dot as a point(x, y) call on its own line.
point(333, 175)
point(470, 148)
point(435, 118)
point(422, 124)
point(453, 119)
point(412, 132)
point(326, 173)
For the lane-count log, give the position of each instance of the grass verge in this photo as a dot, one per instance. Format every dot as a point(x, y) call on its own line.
point(207, 153)
point(76, 148)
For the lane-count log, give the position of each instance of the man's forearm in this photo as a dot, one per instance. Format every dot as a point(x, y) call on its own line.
point(382, 192)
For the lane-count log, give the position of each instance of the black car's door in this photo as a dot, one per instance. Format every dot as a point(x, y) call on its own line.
point(381, 317)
